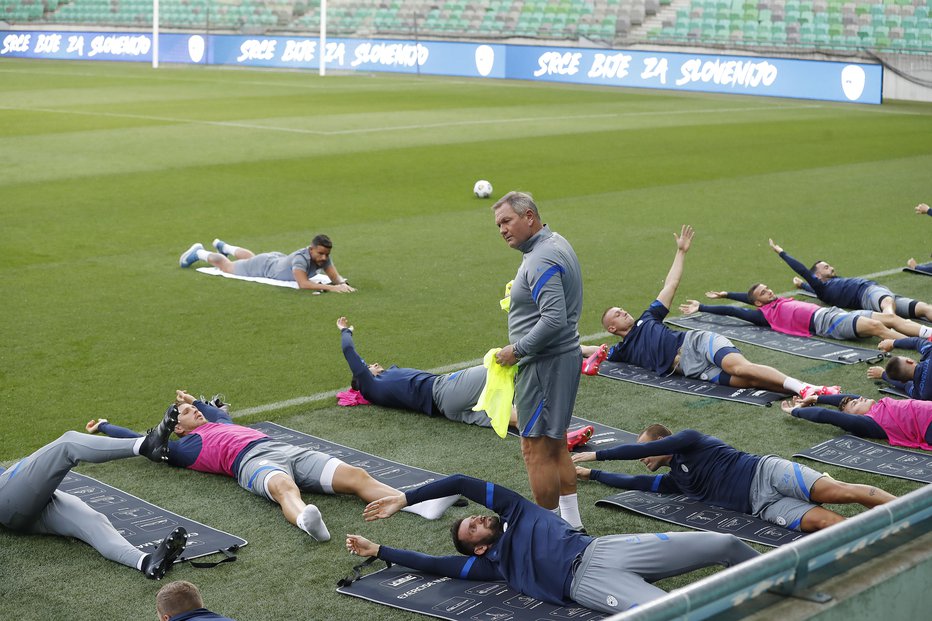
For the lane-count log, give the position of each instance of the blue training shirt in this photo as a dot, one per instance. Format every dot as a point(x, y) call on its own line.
point(396, 387)
point(535, 555)
point(843, 292)
point(650, 344)
point(703, 467)
point(920, 387)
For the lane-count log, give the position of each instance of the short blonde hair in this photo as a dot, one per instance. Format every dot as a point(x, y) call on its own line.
point(177, 597)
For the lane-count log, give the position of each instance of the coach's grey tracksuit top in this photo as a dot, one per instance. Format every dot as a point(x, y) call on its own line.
point(546, 297)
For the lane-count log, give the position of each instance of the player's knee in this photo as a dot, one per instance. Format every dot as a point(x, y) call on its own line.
point(280, 484)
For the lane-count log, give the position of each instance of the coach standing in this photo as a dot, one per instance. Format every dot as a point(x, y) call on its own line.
point(546, 303)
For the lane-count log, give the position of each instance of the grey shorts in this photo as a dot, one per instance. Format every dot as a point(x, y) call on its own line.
point(258, 266)
point(545, 393)
point(456, 394)
point(698, 353)
point(266, 459)
point(875, 293)
point(837, 323)
point(780, 491)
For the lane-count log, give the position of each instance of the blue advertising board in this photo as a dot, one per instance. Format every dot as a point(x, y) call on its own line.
point(713, 73)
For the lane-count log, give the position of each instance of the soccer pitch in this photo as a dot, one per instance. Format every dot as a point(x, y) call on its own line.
point(112, 170)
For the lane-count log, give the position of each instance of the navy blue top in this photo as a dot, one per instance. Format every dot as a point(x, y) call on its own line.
point(843, 292)
point(650, 344)
point(184, 451)
point(920, 387)
point(751, 315)
point(535, 555)
point(703, 467)
point(198, 614)
point(396, 387)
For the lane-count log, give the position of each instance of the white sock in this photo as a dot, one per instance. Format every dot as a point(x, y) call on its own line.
point(311, 522)
point(202, 255)
point(793, 385)
point(230, 250)
point(142, 559)
point(556, 511)
point(925, 331)
point(569, 510)
point(137, 445)
point(432, 509)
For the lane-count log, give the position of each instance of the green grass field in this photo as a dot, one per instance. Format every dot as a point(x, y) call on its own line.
point(111, 170)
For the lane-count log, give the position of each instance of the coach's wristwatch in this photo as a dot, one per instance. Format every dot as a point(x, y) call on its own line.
point(514, 350)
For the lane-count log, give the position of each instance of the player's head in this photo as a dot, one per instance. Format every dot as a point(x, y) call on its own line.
point(617, 321)
point(320, 249)
point(189, 419)
point(650, 434)
point(856, 405)
point(822, 270)
point(901, 369)
point(177, 597)
point(475, 534)
point(517, 218)
point(760, 294)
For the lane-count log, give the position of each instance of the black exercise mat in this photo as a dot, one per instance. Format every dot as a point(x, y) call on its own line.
point(914, 271)
point(859, 454)
point(448, 598)
point(677, 383)
point(744, 332)
point(684, 511)
point(893, 392)
point(143, 524)
point(604, 437)
point(400, 476)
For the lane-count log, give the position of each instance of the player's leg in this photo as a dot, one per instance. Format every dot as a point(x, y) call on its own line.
point(903, 326)
point(870, 326)
point(340, 478)
point(828, 490)
point(746, 374)
point(818, 518)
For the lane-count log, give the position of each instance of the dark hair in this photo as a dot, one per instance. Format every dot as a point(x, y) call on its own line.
point(656, 431)
point(812, 269)
point(898, 369)
point(461, 546)
point(520, 203)
point(177, 597)
point(844, 403)
point(751, 295)
point(322, 240)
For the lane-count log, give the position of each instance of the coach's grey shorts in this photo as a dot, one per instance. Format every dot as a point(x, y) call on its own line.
point(456, 394)
point(302, 465)
point(698, 352)
point(258, 266)
point(875, 293)
point(545, 392)
point(837, 323)
point(780, 491)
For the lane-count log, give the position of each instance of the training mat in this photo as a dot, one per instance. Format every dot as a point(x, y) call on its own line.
point(859, 454)
point(399, 476)
point(604, 437)
point(915, 271)
point(744, 332)
point(449, 598)
point(143, 524)
point(322, 279)
point(893, 392)
point(677, 383)
point(684, 511)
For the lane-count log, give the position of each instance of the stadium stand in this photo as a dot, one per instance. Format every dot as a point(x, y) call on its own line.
point(898, 26)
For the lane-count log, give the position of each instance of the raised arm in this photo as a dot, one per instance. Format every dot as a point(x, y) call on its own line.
point(672, 281)
point(810, 281)
point(485, 493)
point(357, 365)
point(662, 483)
point(665, 446)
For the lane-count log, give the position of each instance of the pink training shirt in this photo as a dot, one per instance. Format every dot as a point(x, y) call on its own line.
point(904, 420)
point(221, 443)
point(789, 316)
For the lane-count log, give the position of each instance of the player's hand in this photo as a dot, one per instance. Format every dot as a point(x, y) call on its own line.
point(775, 247)
point(384, 507)
point(922, 208)
point(875, 373)
point(506, 357)
point(360, 546)
point(788, 405)
point(798, 282)
point(691, 306)
point(685, 238)
point(715, 295)
point(583, 473)
point(182, 396)
point(93, 425)
point(344, 324)
point(885, 345)
point(585, 456)
point(341, 288)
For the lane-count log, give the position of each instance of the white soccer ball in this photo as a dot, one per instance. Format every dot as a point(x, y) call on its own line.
point(482, 189)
